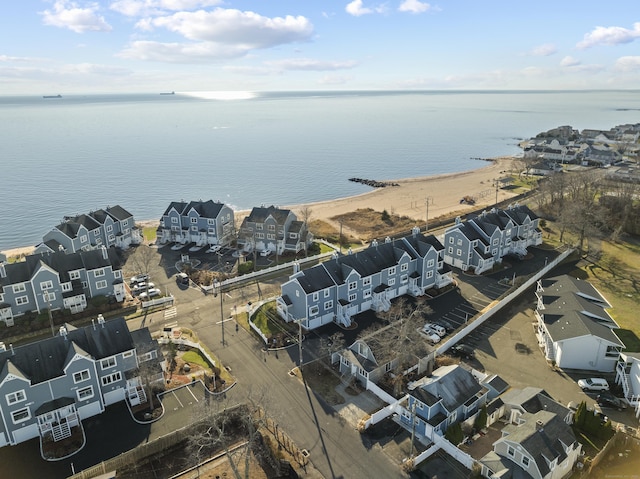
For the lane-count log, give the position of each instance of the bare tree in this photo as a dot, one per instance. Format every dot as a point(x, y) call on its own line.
point(305, 215)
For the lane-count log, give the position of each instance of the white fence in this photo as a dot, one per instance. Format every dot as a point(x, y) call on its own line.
point(494, 308)
point(158, 301)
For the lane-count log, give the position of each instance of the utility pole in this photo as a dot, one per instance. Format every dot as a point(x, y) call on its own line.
point(497, 181)
point(340, 239)
point(218, 287)
point(413, 426)
point(300, 345)
point(47, 298)
point(428, 201)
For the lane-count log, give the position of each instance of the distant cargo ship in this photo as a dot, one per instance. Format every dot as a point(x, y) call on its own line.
point(168, 93)
point(52, 96)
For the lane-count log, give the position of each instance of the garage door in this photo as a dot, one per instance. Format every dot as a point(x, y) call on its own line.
point(114, 396)
point(25, 433)
point(89, 410)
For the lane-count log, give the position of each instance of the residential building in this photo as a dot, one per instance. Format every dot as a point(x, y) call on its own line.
point(450, 395)
point(538, 442)
point(628, 378)
point(113, 226)
point(349, 284)
point(573, 327)
point(205, 223)
point(482, 241)
point(49, 386)
point(273, 229)
point(52, 281)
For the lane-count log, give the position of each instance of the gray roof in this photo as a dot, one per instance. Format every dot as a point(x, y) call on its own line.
point(453, 385)
point(118, 212)
point(260, 214)
point(46, 359)
point(206, 209)
point(176, 205)
point(574, 308)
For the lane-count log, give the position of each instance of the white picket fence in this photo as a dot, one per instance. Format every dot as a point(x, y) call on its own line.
point(157, 301)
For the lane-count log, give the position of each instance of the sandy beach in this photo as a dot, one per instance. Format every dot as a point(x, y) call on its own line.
point(409, 198)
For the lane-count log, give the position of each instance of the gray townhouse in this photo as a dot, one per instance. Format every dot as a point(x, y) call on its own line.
point(538, 441)
point(449, 395)
point(49, 386)
point(112, 226)
point(273, 229)
point(482, 241)
point(205, 223)
point(53, 281)
point(336, 290)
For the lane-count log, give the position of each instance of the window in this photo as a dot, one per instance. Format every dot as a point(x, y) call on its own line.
point(366, 281)
point(450, 250)
point(148, 356)
point(85, 285)
point(612, 352)
point(459, 242)
point(125, 222)
point(260, 235)
point(392, 281)
point(495, 242)
point(85, 393)
point(328, 305)
point(109, 228)
point(459, 252)
point(46, 285)
point(525, 461)
point(66, 287)
point(429, 274)
point(451, 239)
point(511, 451)
point(271, 236)
point(352, 297)
point(19, 288)
point(392, 271)
point(20, 300)
point(174, 219)
point(367, 293)
point(81, 376)
point(313, 310)
point(194, 228)
point(211, 221)
point(21, 415)
point(316, 296)
point(48, 296)
point(212, 231)
point(111, 378)
point(430, 263)
point(404, 267)
point(101, 284)
point(327, 293)
point(404, 279)
point(494, 252)
point(108, 362)
point(98, 272)
point(271, 227)
point(117, 274)
point(83, 239)
point(259, 226)
point(17, 396)
point(127, 354)
point(353, 285)
point(194, 220)
point(293, 235)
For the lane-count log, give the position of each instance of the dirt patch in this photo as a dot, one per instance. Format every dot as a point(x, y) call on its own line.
point(369, 224)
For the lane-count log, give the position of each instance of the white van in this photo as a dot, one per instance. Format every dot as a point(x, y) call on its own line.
point(440, 331)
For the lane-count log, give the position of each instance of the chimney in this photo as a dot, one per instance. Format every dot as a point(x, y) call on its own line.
point(13, 353)
point(374, 243)
point(415, 231)
point(349, 251)
point(3, 272)
point(296, 267)
point(387, 240)
point(539, 426)
point(63, 332)
point(2, 346)
point(105, 253)
point(101, 320)
point(93, 323)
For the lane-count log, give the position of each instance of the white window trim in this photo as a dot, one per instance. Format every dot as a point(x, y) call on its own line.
point(16, 397)
point(80, 393)
point(101, 284)
point(108, 363)
point(15, 413)
point(81, 376)
point(111, 378)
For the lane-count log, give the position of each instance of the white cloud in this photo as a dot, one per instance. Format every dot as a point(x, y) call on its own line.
point(310, 64)
point(609, 36)
point(244, 30)
point(136, 8)
point(334, 80)
point(7, 58)
point(544, 50)
point(356, 9)
point(249, 70)
point(181, 52)
point(414, 6)
point(66, 14)
point(627, 64)
point(569, 61)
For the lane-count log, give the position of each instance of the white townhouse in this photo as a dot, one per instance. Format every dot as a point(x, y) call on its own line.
point(481, 242)
point(204, 223)
point(628, 378)
point(573, 327)
point(338, 289)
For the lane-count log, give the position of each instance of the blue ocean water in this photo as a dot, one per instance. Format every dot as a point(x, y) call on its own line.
point(62, 156)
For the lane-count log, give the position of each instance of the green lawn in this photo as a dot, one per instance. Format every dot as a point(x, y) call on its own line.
point(194, 357)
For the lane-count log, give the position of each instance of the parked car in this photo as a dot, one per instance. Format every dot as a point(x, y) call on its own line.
point(593, 384)
point(139, 278)
point(439, 330)
point(431, 335)
point(214, 248)
point(182, 278)
point(444, 323)
point(149, 294)
point(265, 252)
point(607, 399)
point(140, 287)
point(462, 351)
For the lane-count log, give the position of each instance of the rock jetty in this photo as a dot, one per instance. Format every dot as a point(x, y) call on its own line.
point(373, 183)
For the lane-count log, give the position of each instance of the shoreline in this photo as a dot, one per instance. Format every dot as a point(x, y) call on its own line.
point(409, 198)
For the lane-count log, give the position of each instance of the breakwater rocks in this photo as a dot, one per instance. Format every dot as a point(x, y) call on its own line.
point(373, 183)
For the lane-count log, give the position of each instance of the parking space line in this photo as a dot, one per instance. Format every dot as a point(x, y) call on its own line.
point(191, 392)
point(177, 398)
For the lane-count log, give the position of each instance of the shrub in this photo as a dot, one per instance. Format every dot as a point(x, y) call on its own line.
point(246, 267)
point(453, 434)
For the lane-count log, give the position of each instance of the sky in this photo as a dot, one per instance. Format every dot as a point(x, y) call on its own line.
point(102, 46)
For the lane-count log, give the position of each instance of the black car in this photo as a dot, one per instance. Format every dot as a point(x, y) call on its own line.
point(607, 399)
point(463, 351)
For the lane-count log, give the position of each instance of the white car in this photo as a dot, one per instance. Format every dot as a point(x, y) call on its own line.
point(439, 330)
point(140, 287)
point(266, 252)
point(139, 278)
point(431, 335)
point(214, 248)
point(149, 294)
point(593, 384)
